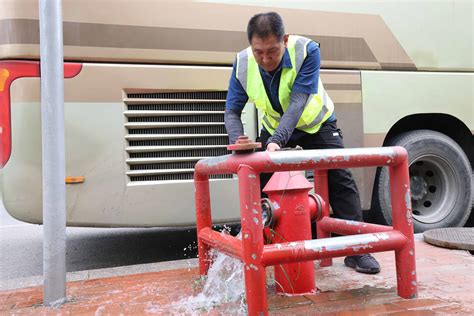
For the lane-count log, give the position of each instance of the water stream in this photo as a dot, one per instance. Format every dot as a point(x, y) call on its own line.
point(223, 284)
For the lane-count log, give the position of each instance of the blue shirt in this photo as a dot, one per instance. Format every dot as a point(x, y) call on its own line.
point(306, 82)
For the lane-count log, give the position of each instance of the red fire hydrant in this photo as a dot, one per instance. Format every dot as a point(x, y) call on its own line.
point(293, 210)
point(288, 194)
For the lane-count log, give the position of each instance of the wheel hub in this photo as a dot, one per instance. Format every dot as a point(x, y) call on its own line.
point(419, 187)
point(430, 180)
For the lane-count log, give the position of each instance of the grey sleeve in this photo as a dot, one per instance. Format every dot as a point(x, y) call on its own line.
point(233, 124)
point(289, 119)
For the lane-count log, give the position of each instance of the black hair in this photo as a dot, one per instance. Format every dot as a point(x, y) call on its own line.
point(264, 25)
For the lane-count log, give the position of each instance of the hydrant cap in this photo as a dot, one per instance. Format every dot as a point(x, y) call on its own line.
point(287, 180)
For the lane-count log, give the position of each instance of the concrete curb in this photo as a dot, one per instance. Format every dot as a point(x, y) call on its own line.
point(20, 283)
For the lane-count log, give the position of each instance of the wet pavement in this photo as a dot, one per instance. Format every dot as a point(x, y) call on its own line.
point(445, 286)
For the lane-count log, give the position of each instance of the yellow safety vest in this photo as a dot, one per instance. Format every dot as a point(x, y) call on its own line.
point(319, 106)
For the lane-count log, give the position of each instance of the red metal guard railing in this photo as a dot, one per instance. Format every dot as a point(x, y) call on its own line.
point(365, 237)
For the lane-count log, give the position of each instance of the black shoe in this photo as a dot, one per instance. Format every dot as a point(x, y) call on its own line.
point(363, 263)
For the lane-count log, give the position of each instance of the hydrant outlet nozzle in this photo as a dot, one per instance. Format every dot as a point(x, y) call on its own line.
point(268, 212)
point(270, 215)
point(316, 206)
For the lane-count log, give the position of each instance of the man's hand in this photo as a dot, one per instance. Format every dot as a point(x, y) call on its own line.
point(273, 147)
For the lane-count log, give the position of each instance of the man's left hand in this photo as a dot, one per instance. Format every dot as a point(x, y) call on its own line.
point(273, 147)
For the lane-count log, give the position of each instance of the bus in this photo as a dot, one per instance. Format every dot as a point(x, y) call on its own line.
point(145, 89)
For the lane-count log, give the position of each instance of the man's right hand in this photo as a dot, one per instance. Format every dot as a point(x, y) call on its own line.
point(273, 147)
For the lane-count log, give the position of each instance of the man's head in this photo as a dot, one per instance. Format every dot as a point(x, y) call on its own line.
point(267, 38)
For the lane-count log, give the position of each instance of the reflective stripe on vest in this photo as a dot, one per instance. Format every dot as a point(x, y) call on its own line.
point(241, 68)
point(319, 106)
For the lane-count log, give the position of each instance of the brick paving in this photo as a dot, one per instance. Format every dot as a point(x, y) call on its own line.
point(445, 280)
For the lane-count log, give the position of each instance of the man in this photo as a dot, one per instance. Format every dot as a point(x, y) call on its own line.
point(280, 75)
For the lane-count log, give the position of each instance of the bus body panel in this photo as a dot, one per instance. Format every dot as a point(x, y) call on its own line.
point(189, 32)
point(379, 63)
point(96, 149)
point(96, 146)
point(406, 35)
point(394, 95)
point(435, 35)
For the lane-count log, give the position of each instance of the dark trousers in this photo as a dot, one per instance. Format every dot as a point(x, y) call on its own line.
point(343, 194)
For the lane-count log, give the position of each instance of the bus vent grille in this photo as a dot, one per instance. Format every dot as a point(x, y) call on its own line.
point(168, 132)
point(191, 95)
point(210, 152)
point(177, 176)
point(180, 119)
point(218, 140)
point(172, 107)
point(180, 130)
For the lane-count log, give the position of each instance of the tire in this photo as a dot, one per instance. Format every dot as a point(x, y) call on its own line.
point(440, 182)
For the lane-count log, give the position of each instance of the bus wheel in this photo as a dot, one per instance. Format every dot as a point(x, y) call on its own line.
point(440, 182)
